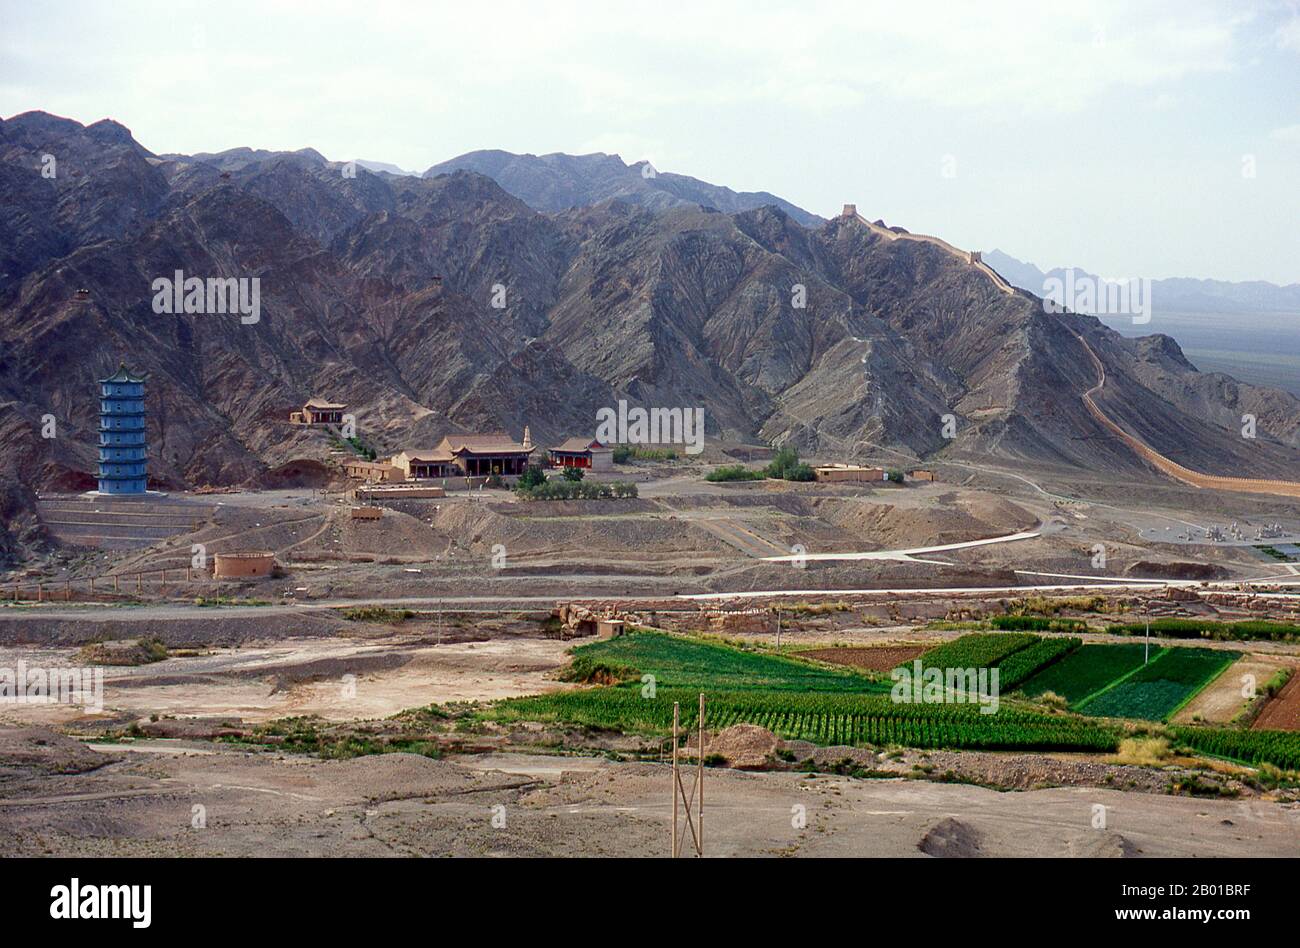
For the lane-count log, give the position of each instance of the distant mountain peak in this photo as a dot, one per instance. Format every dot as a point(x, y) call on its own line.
point(559, 181)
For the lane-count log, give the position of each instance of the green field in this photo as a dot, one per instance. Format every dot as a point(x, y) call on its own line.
point(1023, 663)
point(1212, 629)
point(679, 662)
point(1280, 748)
point(800, 700)
point(1086, 671)
point(1160, 688)
point(979, 650)
point(821, 718)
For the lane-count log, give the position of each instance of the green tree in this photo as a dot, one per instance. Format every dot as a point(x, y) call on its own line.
point(786, 466)
point(573, 473)
point(532, 477)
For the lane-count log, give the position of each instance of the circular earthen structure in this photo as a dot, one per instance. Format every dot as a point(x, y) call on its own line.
point(255, 565)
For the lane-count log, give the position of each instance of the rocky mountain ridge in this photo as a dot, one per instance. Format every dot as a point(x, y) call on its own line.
point(440, 303)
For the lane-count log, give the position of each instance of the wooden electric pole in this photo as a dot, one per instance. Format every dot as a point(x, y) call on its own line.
point(696, 796)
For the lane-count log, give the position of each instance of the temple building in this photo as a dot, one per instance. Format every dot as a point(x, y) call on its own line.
point(122, 449)
point(587, 453)
point(471, 455)
point(317, 411)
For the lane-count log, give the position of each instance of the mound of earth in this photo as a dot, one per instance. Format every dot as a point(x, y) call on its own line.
point(1102, 844)
point(742, 746)
point(127, 652)
point(195, 729)
point(1177, 570)
point(38, 751)
point(951, 838)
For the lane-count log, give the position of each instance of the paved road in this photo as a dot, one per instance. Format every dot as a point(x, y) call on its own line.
point(180, 612)
point(905, 556)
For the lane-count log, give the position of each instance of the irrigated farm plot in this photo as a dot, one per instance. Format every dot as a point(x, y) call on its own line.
point(1160, 688)
point(1280, 748)
point(679, 662)
point(797, 700)
point(820, 718)
point(1085, 671)
point(981, 650)
point(1027, 661)
point(1282, 713)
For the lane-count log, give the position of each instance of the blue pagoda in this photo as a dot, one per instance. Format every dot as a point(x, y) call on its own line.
point(121, 433)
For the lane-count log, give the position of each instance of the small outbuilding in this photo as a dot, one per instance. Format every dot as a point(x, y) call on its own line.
point(841, 473)
point(586, 453)
point(372, 472)
point(318, 411)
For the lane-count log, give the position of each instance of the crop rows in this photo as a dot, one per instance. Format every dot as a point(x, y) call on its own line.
point(981, 650)
point(820, 718)
point(680, 662)
point(1161, 687)
point(1279, 748)
point(1085, 671)
point(1020, 664)
point(1212, 629)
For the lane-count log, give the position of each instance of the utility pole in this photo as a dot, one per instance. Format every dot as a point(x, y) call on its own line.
point(696, 797)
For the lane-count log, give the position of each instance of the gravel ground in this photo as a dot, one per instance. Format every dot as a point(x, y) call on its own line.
point(222, 802)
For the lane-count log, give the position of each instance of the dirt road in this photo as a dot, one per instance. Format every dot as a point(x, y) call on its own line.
point(1173, 468)
point(402, 805)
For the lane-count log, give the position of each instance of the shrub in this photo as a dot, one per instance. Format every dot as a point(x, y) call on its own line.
point(572, 474)
point(624, 453)
point(578, 490)
point(532, 477)
point(1212, 629)
point(786, 466)
point(1037, 624)
point(733, 472)
point(1148, 751)
point(377, 614)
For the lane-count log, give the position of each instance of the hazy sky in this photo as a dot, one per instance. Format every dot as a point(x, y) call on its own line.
point(1147, 138)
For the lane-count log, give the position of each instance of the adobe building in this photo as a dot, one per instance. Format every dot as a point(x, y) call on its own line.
point(920, 475)
point(470, 455)
point(841, 473)
point(372, 472)
point(586, 453)
point(251, 565)
point(317, 411)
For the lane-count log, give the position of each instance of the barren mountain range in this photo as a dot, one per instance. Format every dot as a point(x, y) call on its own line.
point(378, 290)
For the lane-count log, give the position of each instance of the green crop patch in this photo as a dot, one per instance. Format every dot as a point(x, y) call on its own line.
point(1213, 629)
point(824, 719)
point(680, 662)
point(1161, 687)
point(1279, 748)
point(1085, 671)
point(1023, 663)
point(978, 650)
